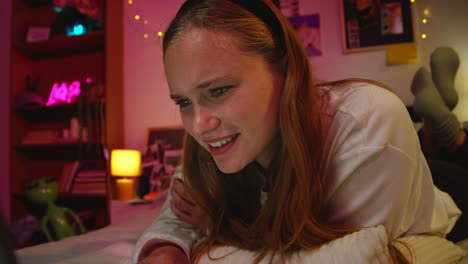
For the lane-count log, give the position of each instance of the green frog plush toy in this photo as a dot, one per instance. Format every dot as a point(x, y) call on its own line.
point(44, 192)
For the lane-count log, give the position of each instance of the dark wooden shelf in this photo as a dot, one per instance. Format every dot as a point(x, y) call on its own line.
point(67, 195)
point(62, 151)
point(56, 113)
point(64, 196)
point(63, 45)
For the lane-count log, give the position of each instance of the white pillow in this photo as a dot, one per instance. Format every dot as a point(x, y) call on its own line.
point(368, 245)
point(433, 250)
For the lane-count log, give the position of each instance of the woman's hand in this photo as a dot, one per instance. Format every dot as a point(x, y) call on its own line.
point(167, 254)
point(185, 209)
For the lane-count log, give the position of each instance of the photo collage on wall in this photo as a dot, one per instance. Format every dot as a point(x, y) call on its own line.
point(160, 157)
point(373, 23)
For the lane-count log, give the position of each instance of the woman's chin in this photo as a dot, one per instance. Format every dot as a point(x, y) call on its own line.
point(228, 168)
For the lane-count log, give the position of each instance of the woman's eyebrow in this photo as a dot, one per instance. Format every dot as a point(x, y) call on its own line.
point(175, 97)
point(208, 83)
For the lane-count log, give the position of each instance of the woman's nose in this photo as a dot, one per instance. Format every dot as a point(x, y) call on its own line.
point(205, 120)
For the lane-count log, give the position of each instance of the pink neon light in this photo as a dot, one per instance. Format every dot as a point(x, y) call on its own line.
point(64, 94)
point(89, 80)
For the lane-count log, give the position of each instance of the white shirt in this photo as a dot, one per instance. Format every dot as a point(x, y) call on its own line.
point(377, 174)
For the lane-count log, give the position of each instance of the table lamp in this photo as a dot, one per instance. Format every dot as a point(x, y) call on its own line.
point(125, 163)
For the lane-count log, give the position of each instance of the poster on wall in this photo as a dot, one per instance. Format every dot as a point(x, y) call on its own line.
point(373, 24)
point(307, 27)
point(308, 30)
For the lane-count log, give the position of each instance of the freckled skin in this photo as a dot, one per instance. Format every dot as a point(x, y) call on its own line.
point(44, 192)
point(248, 108)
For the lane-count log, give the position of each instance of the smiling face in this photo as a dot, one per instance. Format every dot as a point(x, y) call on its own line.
point(228, 98)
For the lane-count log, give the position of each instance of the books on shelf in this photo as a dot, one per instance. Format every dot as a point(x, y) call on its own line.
point(43, 136)
point(82, 178)
point(89, 188)
point(69, 171)
point(89, 181)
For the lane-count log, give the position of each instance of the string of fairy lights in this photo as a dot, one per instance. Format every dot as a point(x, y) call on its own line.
point(138, 18)
point(426, 14)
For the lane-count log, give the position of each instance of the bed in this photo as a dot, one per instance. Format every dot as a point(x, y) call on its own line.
point(114, 244)
point(111, 244)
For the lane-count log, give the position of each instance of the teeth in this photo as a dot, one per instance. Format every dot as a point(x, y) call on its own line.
point(221, 142)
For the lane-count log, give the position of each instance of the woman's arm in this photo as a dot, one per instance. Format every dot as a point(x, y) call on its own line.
point(166, 229)
point(163, 252)
point(378, 174)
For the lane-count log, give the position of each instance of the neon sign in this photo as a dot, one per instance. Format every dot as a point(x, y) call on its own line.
point(64, 93)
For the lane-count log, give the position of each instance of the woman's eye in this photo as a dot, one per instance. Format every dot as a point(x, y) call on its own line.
point(217, 92)
point(183, 103)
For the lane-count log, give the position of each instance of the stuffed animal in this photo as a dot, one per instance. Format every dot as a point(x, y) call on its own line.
point(44, 192)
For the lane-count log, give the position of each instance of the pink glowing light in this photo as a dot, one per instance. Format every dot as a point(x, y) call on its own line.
point(63, 93)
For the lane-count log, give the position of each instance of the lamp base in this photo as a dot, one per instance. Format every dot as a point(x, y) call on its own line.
point(125, 189)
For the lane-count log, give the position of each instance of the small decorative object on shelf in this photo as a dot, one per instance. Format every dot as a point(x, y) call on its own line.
point(44, 192)
point(125, 163)
point(77, 17)
point(38, 34)
point(30, 97)
point(64, 93)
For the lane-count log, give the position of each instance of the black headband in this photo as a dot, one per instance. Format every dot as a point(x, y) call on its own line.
point(264, 12)
point(259, 8)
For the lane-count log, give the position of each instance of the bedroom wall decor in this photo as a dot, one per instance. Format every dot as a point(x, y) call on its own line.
point(308, 30)
point(368, 25)
point(162, 153)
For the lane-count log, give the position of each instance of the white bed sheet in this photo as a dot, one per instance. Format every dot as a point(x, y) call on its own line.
point(114, 244)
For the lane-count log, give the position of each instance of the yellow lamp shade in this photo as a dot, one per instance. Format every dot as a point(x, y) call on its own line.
point(125, 163)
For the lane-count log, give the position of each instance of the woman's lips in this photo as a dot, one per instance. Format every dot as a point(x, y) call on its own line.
point(222, 146)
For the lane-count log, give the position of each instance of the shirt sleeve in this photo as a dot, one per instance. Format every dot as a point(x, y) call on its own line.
point(166, 227)
point(378, 175)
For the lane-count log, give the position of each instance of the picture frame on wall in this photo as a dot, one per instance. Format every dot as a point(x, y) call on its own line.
point(167, 142)
point(374, 24)
point(161, 155)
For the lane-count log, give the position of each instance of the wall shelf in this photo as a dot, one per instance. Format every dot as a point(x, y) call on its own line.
point(63, 196)
point(64, 152)
point(98, 55)
point(63, 45)
point(57, 113)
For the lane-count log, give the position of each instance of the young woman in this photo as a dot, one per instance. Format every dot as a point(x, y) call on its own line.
point(278, 163)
